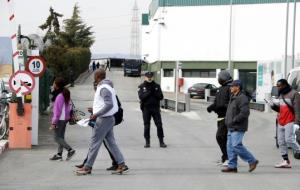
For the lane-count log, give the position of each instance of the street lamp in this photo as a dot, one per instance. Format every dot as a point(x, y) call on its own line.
point(294, 34)
point(230, 66)
point(286, 37)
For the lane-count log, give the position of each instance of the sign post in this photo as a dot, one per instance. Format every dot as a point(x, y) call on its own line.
point(22, 83)
point(36, 65)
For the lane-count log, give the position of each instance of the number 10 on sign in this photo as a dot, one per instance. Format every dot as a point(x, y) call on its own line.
point(36, 66)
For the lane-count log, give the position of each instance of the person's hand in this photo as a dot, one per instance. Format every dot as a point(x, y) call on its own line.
point(52, 127)
point(90, 110)
point(93, 117)
point(296, 127)
point(208, 109)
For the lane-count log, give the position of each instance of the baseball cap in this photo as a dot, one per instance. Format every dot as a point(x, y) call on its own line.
point(149, 74)
point(236, 83)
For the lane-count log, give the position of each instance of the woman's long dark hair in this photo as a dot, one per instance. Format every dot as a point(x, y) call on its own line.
point(60, 84)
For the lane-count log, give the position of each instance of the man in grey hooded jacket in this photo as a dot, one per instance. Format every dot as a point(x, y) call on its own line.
point(104, 107)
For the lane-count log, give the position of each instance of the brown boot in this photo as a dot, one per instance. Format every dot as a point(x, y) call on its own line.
point(83, 171)
point(122, 168)
point(253, 166)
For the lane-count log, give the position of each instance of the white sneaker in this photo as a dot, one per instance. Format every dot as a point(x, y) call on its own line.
point(225, 163)
point(283, 164)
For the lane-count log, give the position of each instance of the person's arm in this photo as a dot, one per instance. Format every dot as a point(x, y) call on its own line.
point(143, 94)
point(275, 107)
point(108, 102)
point(158, 92)
point(211, 107)
point(296, 105)
point(57, 109)
point(244, 109)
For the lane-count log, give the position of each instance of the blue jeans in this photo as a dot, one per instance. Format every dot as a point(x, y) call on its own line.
point(236, 148)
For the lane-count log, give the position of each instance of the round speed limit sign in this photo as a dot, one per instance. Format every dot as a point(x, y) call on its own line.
point(36, 65)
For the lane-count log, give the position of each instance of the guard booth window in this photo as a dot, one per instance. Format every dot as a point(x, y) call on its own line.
point(199, 73)
point(168, 73)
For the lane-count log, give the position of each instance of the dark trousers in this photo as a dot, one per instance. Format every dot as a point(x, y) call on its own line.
point(60, 136)
point(114, 162)
point(221, 137)
point(155, 114)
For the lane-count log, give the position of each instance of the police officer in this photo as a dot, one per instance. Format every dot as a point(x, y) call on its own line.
point(219, 107)
point(150, 95)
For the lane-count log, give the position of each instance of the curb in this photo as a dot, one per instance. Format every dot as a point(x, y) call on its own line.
point(3, 145)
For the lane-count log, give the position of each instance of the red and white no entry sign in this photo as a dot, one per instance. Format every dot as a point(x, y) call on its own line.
point(36, 65)
point(22, 82)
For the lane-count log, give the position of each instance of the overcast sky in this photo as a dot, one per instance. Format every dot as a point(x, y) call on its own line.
point(111, 19)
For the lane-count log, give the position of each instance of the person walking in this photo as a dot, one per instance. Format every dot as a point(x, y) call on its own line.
point(104, 107)
point(288, 119)
point(236, 120)
point(61, 116)
point(219, 107)
point(114, 165)
point(150, 95)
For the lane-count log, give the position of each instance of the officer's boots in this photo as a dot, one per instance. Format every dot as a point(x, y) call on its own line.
point(147, 145)
point(161, 143)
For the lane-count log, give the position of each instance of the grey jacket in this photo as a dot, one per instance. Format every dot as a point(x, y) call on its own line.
point(238, 113)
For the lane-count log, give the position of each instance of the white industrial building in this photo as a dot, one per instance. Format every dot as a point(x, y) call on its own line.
point(197, 33)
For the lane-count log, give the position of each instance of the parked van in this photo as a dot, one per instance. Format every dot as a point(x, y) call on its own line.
point(132, 67)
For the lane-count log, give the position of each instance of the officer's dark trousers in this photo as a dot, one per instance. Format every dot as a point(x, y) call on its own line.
point(221, 137)
point(155, 114)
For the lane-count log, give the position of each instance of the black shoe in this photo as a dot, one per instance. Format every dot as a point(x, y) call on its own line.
point(147, 145)
point(126, 169)
point(163, 145)
point(71, 153)
point(112, 168)
point(121, 169)
point(56, 157)
point(79, 166)
point(229, 170)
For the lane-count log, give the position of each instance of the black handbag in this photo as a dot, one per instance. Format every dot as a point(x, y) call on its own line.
point(119, 114)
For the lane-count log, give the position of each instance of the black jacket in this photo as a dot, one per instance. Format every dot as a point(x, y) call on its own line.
point(150, 95)
point(221, 101)
point(238, 112)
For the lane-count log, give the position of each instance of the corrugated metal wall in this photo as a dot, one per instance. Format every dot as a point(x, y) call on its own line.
point(168, 3)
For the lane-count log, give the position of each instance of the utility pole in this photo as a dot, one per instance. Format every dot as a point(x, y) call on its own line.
point(230, 65)
point(294, 34)
point(286, 38)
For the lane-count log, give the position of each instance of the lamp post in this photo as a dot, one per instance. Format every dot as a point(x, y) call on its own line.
point(294, 34)
point(230, 66)
point(286, 37)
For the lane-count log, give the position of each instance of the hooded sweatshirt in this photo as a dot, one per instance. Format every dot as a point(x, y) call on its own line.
point(105, 101)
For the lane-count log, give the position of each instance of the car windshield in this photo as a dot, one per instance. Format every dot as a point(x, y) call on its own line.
point(200, 85)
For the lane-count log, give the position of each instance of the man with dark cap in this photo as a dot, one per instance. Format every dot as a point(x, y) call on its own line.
point(288, 119)
point(150, 95)
point(219, 107)
point(236, 120)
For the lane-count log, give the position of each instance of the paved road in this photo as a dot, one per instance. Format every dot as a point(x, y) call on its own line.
point(188, 163)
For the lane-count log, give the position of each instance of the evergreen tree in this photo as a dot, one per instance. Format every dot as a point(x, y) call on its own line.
point(76, 33)
point(52, 24)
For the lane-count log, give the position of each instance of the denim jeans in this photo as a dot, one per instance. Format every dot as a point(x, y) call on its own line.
point(236, 148)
